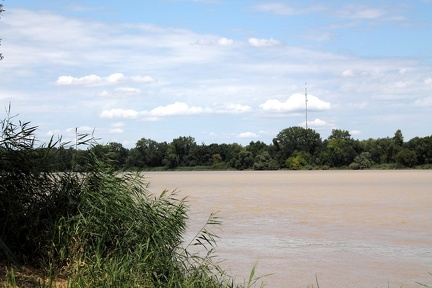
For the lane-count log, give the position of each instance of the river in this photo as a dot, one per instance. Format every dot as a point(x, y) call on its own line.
point(344, 228)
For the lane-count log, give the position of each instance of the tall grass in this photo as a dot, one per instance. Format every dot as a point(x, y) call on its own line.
point(99, 228)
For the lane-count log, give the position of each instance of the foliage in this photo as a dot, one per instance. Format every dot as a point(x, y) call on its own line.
point(338, 150)
point(299, 160)
point(363, 161)
point(406, 157)
point(264, 161)
point(101, 228)
point(243, 160)
point(296, 138)
point(341, 148)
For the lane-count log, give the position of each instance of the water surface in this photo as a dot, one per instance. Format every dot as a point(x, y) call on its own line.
point(349, 228)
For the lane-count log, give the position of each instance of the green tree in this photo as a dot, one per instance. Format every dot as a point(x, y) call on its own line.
point(364, 160)
point(243, 160)
point(341, 148)
point(264, 161)
point(340, 134)
point(256, 147)
point(398, 138)
point(181, 147)
point(296, 138)
point(406, 157)
point(298, 160)
point(146, 153)
point(422, 147)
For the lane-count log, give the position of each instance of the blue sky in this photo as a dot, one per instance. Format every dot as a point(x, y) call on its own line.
point(217, 70)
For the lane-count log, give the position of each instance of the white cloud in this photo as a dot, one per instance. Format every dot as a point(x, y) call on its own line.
point(234, 109)
point(348, 73)
point(355, 132)
point(276, 8)
point(95, 80)
point(247, 135)
point(295, 103)
point(263, 42)
point(118, 124)
point(361, 12)
point(225, 42)
point(114, 78)
point(119, 113)
point(318, 123)
point(129, 90)
point(283, 9)
point(143, 79)
point(116, 131)
point(214, 42)
point(428, 81)
point(177, 108)
point(86, 80)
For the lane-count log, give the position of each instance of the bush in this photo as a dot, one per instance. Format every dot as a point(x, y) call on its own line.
point(354, 166)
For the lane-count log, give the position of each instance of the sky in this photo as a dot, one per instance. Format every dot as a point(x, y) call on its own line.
point(221, 71)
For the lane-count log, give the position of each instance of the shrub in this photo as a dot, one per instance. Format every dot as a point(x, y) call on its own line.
point(354, 166)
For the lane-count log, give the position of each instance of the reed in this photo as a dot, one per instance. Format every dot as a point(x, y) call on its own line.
point(95, 229)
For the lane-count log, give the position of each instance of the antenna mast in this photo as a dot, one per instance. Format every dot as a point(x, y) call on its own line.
point(306, 102)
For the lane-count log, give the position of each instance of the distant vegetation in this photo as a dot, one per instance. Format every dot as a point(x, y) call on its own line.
point(293, 148)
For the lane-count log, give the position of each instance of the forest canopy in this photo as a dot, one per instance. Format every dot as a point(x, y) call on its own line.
point(292, 148)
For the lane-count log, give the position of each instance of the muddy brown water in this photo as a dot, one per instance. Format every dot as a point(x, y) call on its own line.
point(347, 228)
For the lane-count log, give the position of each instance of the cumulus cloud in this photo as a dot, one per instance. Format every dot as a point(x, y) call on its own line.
point(355, 132)
point(119, 113)
point(174, 109)
point(263, 42)
point(225, 42)
point(86, 80)
point(95, 80)
point(295, 103)
point(318, 123)
point(247, 135)
point(177, 108)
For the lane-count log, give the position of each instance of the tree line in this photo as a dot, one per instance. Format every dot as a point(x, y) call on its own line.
point(293, 148)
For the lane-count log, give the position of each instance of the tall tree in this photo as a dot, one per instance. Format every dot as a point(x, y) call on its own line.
point(296, 139)
point(398, 138)
point(147, 153)
point(178, 152)
point(341, 147)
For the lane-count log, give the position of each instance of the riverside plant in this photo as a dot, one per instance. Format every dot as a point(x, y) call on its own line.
point(100, 228)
